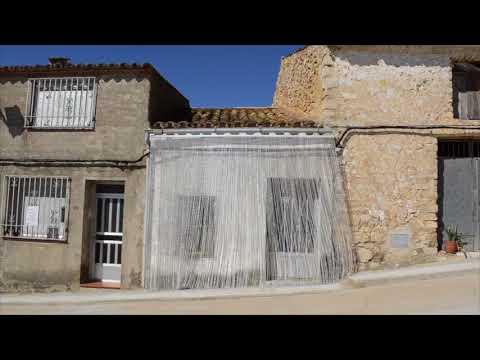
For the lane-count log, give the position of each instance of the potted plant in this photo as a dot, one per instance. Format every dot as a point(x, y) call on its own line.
point(456, 240)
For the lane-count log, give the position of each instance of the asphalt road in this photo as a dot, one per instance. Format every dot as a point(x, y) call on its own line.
point(449, 295)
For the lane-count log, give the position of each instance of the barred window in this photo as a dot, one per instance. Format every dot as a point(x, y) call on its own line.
point(291, 215)
point(61, 103)
point(195, 226)
point(35, 207)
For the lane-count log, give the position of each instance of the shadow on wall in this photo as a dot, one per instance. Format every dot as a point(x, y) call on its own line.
point(440, 187)
point(13, 118)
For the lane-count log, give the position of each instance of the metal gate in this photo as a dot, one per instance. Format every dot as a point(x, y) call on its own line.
point(458, 180)
point(107, 245)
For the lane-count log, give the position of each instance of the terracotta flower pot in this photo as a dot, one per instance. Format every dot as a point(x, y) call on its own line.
point(451, 247)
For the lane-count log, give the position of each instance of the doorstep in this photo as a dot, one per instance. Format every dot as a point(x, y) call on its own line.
point(101, 285)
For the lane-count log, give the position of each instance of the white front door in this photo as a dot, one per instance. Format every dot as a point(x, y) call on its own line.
point(107, 244)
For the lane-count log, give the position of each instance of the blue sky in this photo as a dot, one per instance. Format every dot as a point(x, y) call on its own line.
point(208, 75)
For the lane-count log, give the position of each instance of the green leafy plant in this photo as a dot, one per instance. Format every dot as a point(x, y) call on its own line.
point(457, 236)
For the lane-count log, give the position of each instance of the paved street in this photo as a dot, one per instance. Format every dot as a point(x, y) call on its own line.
point(449, 295)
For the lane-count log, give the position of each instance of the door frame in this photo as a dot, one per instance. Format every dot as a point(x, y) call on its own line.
point(470, 153)
point(278, 261)
point(93, 238)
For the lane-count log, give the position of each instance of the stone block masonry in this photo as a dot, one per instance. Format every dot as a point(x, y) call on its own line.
point(391, 186)
point(301, 81)
point(372, 85)
point(390, 174)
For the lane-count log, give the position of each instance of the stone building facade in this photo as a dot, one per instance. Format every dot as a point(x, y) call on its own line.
point(392, 109)
point(111, 152)
point(390, 106)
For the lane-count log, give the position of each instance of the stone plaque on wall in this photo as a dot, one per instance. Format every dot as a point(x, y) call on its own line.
point(400, 240)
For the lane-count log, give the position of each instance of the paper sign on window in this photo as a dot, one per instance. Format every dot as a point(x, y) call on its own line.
point(31, 216)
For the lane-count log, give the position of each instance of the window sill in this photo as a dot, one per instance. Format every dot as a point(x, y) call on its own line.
point(58, 129)
point(26, 239)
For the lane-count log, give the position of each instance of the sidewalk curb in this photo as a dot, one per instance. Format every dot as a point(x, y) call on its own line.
point(358, 280)
point(421, 272)
point(167, 295)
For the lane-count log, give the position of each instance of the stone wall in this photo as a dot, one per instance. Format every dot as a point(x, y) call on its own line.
point(372, 85)
point(391, 185)
point(390, 175)
point(383, 88)
point(300, 81)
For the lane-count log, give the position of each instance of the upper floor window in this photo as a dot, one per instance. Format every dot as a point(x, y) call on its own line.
point(466, 91)
point(61, 103)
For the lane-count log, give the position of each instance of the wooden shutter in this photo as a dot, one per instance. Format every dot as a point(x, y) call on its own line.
point(466, 91)
point(460, 102)
point(474, 96)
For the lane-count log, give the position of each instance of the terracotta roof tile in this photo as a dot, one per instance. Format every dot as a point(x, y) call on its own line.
point(238, 117)
point(69, 69)
point(74, 69)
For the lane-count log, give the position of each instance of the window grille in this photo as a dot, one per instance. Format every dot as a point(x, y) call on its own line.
point(35, 207)
point(196, 226)
point(61, 103)
point(291, 215)
point(458, 149)
point(110, 214)
point(453, 149)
